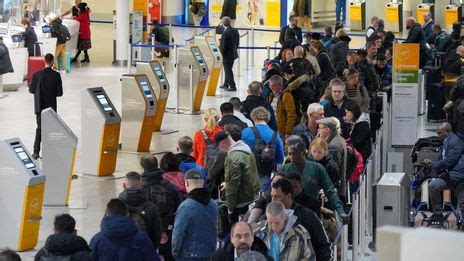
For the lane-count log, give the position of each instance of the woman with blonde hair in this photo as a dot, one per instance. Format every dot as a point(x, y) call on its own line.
point(319, 152)
point(205, 137)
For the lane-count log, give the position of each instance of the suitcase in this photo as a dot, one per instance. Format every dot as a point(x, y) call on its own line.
point(34, 64)
point(436, 102)
point(68, 62)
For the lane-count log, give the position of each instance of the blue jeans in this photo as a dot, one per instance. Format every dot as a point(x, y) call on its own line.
point(340, 6)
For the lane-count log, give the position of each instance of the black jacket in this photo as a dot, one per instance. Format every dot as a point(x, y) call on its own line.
point(332, 168)
point(230, 41)
point(5, 62)
point(253, 101)
point(30, 40)
point(136, 200)
point(229, 8)
point(290, 43)
point(64, 244)
point(46, 86)
point(231, 119)
point(227, 252)
point(283, 31)
point(185, 158)
point(332, 110)
point(55, 25)
point(216, 174)
point(339, 51)
point(416, 35)
point(327, 70)
point(361, 138)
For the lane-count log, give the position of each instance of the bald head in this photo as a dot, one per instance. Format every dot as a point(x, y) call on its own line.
point(298, 52)
point(410, 22)
point(443, 130)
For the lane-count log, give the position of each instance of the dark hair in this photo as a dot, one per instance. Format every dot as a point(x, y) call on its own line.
point(49, 58)
point(292, 16)
point(236, 103)
point(381, 57)
point(285, 185)
point(64, 223)
point(82, 7)
point(227, 107)
point(149, 162)
point(436, 26)
point(389, 36)
point(133, 176)
point(169, 162)
point(116, 207)
point(234, 131)
point(232, 229)
point(287, 69)
point(185, 144)
point(456, 35)
point(354, 108)
point(308, 35)
point(328, 31)
point(9, 255)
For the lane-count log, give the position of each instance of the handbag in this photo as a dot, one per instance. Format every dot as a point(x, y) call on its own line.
point(219, 29)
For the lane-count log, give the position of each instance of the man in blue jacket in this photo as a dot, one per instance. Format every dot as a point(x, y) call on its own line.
point(195, 232)
point(450, 169)
point(120, 238)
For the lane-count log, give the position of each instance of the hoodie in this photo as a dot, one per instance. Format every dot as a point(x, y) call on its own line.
point(65, 244)
point(241, 176)
point(360, 136)
point(120, 239)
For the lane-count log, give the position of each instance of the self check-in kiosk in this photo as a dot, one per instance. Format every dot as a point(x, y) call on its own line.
point(139, 106)
point(101, 125)
point(59, 146)
point(394, 17)
point(158, 81)
point(424, 7)
point(191, 93)
point(21, 196)
point(357, 15)
point(453, 13)
point(213, 57)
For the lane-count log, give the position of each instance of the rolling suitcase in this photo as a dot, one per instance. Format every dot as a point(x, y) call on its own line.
point(68, 62)
point(34, 64)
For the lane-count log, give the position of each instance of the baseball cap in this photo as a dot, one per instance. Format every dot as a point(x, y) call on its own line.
point(193, 174)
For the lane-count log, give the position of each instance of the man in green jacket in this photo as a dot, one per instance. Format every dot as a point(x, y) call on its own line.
point(240, 173)
point(314, 177)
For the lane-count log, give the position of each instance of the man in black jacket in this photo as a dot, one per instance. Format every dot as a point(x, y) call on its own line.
point(293, 21)
point(254, 100)
point(64, 242)
point(417, 35)
point(144, 213)
point(46, 86)
point(227, 111)
point(230, 41)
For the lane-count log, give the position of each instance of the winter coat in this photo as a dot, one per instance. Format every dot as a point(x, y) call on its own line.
point(283, 32)
point(303, 131)
point(327, 70)
point(199, 144)
point(303, 93)
point(120, 239)
point(286, 112)
point(290, 43)
point(301, 66)
point(177, 179)
point(302, 8)
point(427, 27)
point(362, 97)
point(294, 239)
point(137, 201)
point(84, 25)
point(253, 101)
point(227, 253)
point(55, 25)
point(385, 75)
point(332, 110)
point(314, 178)
point(46, 86)
point(337, 142)
point(194, 233)
point(241, 176)
point(451, 159)
point(360, 136)
point(5, 62)
point(266, 134)
point(188, 162)
point(231, 119)
point(332, 168)
point(216, 174)
point(339, 51)
point(64, 244)
point(416, 35)
point(229, 8)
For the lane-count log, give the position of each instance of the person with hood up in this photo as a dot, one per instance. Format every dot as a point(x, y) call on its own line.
point(285, 239)
point(254, 100)
point(356, 91)
point(240, 173)
point(303, 93)
point(340, 49)
point(360, 136)
point(194, 234)
point(272, 68)
point(283, 104)
point(64, 242)
point(120, 238)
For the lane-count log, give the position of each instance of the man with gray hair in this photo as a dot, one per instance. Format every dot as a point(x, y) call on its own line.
point(308, 129)
point(284, 237)
point(254, 99)
point(427, 25)
point(230, 40)
point(283, 104)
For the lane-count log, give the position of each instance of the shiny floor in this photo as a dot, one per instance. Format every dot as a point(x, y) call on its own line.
point(89, 195)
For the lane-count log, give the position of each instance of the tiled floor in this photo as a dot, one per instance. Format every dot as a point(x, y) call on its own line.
point(89, 195)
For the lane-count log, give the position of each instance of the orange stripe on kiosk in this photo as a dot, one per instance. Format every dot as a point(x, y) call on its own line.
point(139, 105)
point(213, 58)
point(424, 8)
point(157, 77)
point(101, 125)
point(394, 17)
point(21, 196)
point(453, 13)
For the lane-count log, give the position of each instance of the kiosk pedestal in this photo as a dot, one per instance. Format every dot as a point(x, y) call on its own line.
point(213, 58)
point(59, 155)
point(424, 8)
point(453, 13)
point(138, 113)
point(158, 81)
point(21, 196)
point(394, 17)
point(191, 86)
point(358, 16)
point(101, 125)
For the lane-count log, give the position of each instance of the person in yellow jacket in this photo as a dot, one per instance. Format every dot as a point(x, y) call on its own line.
point(281, 100)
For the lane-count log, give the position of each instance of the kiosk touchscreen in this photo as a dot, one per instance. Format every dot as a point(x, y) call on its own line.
point(101, 125)
point(139, 106)
point(21, 196)
point(394, 17)
point(159, 82)
point(192, 57)
point(213, 57)
point(59, 146)
point(357, 16)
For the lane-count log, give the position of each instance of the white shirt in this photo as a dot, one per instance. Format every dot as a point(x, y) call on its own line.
point(243, 118)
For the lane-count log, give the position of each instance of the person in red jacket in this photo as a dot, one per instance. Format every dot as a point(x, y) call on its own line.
point(84, 42)
point(199, 142)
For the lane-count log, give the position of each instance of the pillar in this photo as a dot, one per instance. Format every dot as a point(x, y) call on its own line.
point(122, 31)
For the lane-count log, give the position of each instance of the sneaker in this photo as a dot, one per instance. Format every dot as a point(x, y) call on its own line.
point(35, 155)
point(231, 89)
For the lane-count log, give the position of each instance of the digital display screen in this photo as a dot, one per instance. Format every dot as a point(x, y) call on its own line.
point(46, 29)
point(24, 157)
point(198, 56)
point(146, 89)
point(160, 75)
point(104, 102)
point(16, 38)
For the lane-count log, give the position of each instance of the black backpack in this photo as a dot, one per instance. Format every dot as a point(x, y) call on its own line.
point(264, 153)
point(160, 196)
point(63, 34)
point(138, 215)
point(211, 150)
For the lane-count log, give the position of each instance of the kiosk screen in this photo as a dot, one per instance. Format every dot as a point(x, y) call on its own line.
point(24, 157)
point(198, 56)
point(46, 29)
point(146, 89)
point(104, 102)
point(17, 38)
point(160, 75)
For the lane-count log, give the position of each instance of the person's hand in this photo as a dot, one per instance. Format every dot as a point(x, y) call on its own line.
point(223, 186)
point(164, 238)
point(345, 219)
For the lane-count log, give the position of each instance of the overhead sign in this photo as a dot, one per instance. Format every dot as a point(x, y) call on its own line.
point(405, 94)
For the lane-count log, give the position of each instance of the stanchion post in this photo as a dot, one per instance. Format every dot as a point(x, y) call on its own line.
point(222, 75)
point(275, 48)
point(238, 65)
point(176, 56)
point(344, 243)
point(1, 86)
point(176, 76)
point(153, 47)
point(252, 45)
point(191, 72)
point(247, 50)
point(170, 33)
point(129, 58)
point(355, 224)
point(268, 49)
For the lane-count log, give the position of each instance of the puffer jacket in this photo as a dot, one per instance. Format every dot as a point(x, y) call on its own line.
point(5, 62)
point(452, 160)
point(241, 176)
point(295, 242)
point(64, 244)
point(286, 112)
point(303, 93)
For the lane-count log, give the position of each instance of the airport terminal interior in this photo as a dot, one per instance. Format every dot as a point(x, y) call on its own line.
point(99, 132)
